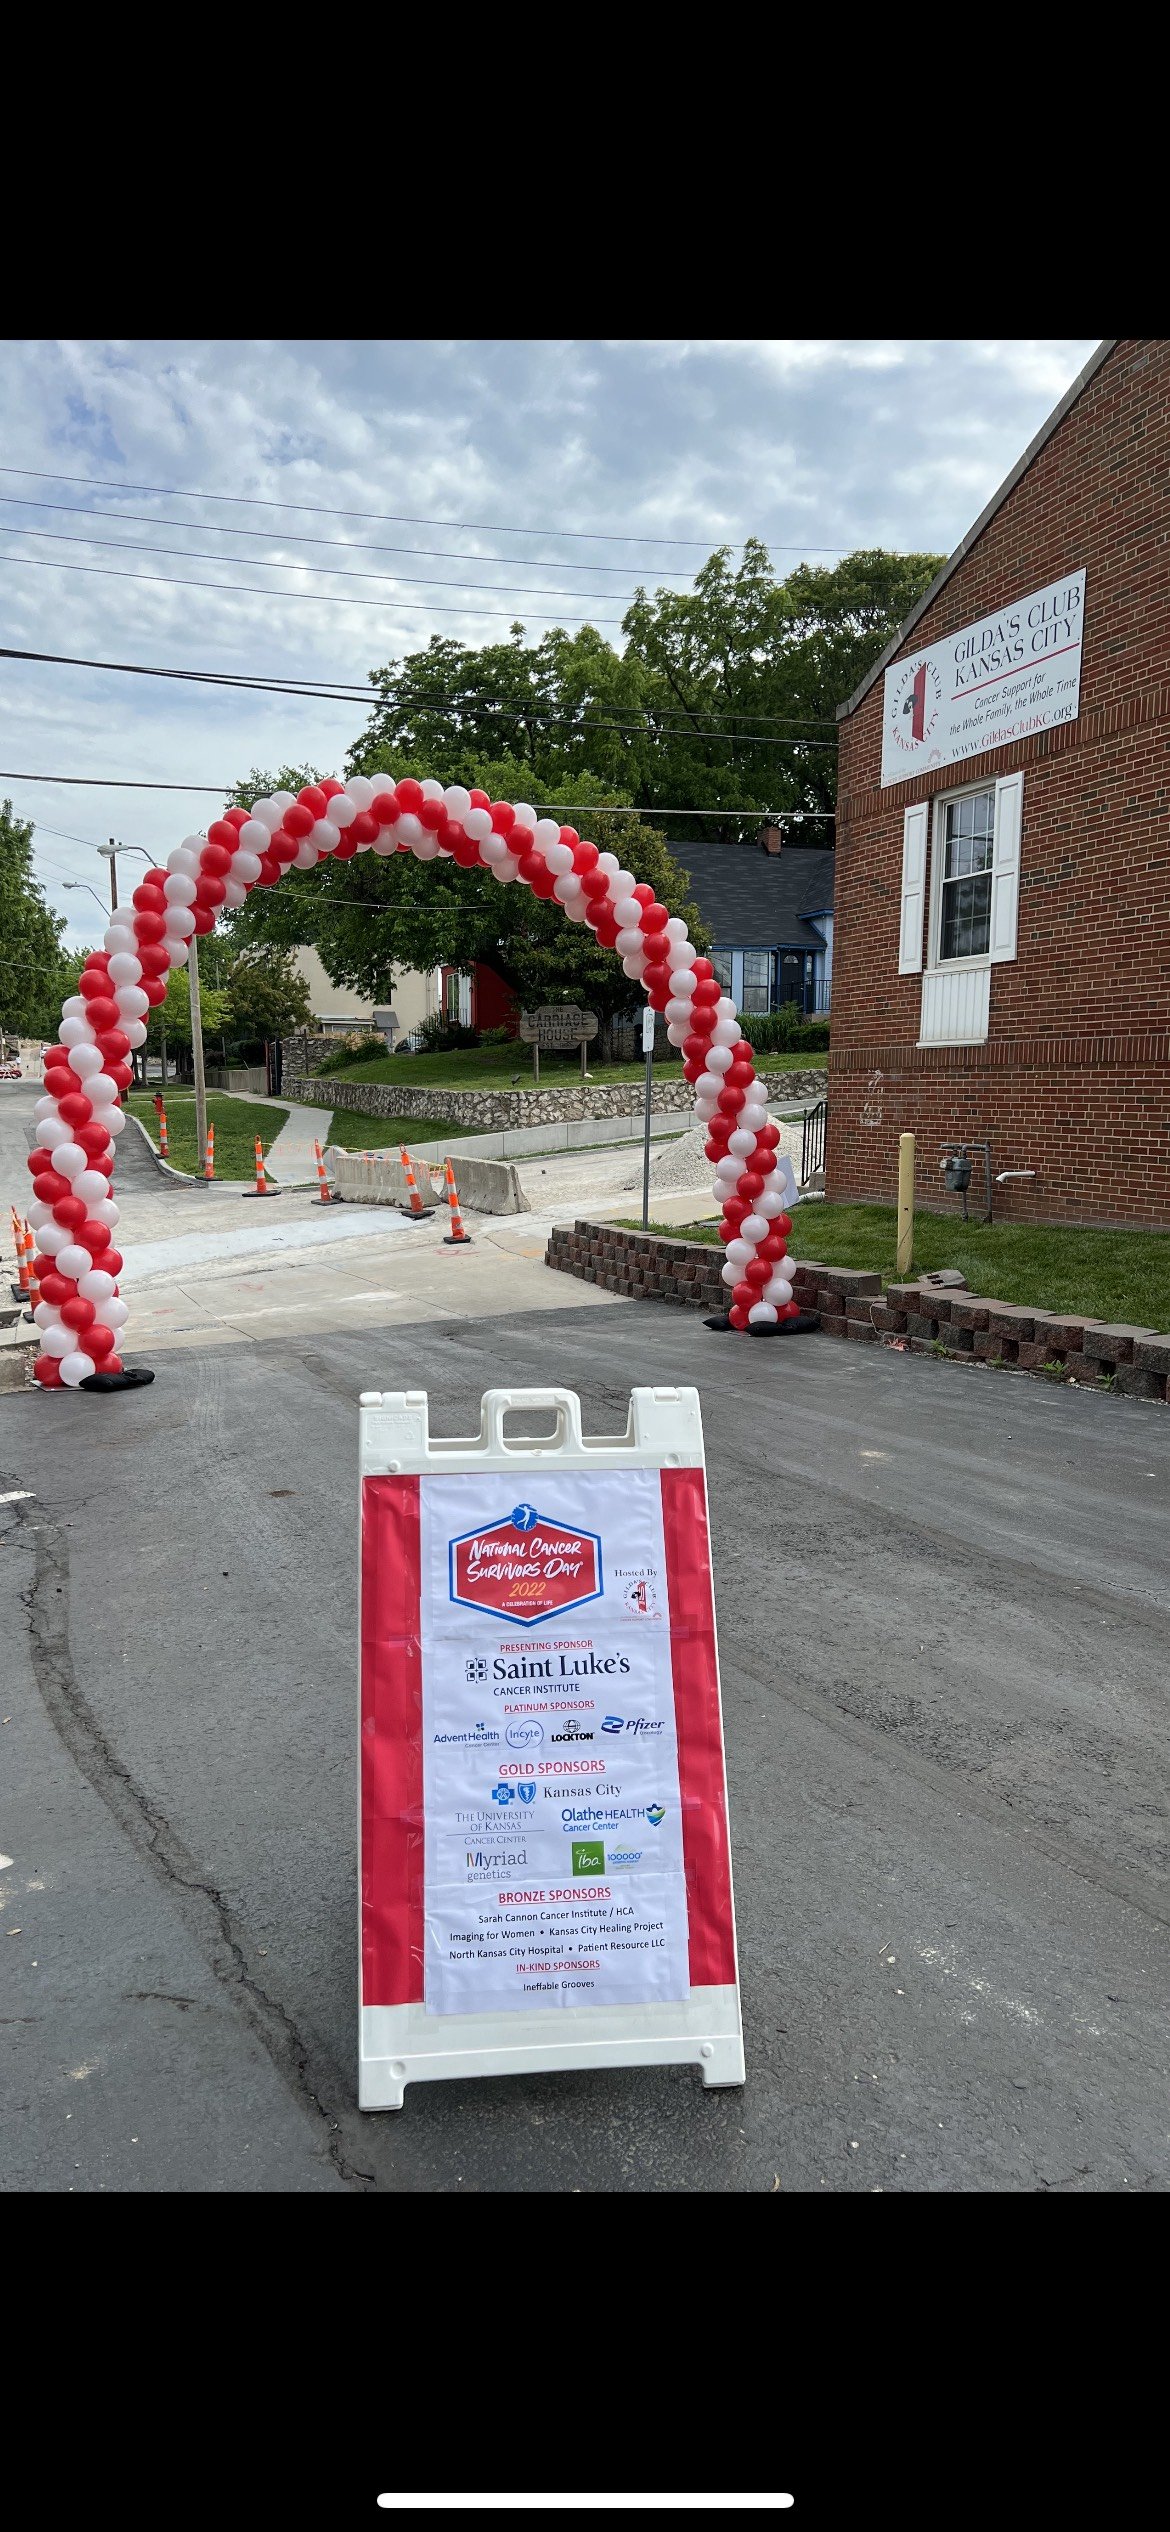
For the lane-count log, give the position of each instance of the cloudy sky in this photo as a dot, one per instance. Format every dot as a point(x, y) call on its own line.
point(313, 509)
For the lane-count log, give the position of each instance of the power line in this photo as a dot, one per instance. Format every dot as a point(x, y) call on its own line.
point(262, 562)
point(396, 518)
point(302, 597)
point(565, 808)
point(321, 690)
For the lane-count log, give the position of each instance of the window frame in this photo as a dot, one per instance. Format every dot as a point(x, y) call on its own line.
point(756, 1011)
point(941, 802)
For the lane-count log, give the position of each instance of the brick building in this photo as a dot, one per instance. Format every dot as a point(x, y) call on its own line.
point(1002, 952)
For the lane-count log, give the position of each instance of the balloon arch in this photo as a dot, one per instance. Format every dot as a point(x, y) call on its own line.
point(81, 1313)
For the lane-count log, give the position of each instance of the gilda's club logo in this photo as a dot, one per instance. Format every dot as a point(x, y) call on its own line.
point(525, 1567)
point(914, 706)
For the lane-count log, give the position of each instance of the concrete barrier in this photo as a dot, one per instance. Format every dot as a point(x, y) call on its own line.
point(485, 1186)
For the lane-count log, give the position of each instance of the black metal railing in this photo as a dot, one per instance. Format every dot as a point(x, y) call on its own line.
point(812, 1141)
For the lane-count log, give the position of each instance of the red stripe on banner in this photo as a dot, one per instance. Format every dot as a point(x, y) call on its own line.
point(391, 1758)
point(706, 1852)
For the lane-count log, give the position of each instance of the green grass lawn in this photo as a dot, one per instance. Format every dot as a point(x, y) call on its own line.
point(356, 1131)
point(490, 1068)
point(237, 1122)
point(1121, 1275)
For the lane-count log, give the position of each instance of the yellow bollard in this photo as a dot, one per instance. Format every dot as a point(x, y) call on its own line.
point(905, 1202)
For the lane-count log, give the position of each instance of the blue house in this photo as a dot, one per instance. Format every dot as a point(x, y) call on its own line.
point(769, 908)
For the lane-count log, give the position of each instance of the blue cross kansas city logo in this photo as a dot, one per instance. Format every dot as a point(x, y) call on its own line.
point(527, 1793)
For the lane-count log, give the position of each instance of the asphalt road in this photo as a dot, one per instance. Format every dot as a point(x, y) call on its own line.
point(943, 1601)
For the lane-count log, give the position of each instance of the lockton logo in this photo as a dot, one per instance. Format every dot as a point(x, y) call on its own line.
point(632, 1723)
point(524, 1736)
point(588, 1856)
point(655, 1814)
point(525, 1567)
point(913, 703)
point(572, 1732)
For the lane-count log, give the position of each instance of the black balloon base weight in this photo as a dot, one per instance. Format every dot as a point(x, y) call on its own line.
point(801, 1326)
point(137, 1379)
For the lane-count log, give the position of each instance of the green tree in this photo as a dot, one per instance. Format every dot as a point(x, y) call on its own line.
point(36, 973)
point(172, 1019)
point(265, 995)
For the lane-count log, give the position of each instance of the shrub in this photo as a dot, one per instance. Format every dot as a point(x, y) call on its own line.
point(355, 1048)
point(440, 1035)
point(785, 1032)
point(498, 1037)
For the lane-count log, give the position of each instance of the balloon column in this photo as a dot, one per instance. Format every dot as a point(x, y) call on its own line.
point(81, 1313)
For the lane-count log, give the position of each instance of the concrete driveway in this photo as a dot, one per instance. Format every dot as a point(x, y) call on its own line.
point(943, 1607)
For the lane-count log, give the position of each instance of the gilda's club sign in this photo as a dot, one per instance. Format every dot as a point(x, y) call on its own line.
point(1014, 673)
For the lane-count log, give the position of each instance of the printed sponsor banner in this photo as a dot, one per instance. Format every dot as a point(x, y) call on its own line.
point(1014, 673)
point(554, 1871)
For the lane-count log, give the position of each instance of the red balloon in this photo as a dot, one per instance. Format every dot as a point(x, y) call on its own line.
point(739, 1076)
point(154, 989)
point(47, 1370)
point(595, 887)
point(758, 1272)
point(210, 892)
point(115, 1046)
point(69, 1211)
point(569, 836)
point(703, 970)
point(720, 1131)
point(531, 864)
point(94, 1236)
point(735, 1211)
point(714, 1152)
point(105, 1162)
point(642, 893)
point(52, 1186)
point(728, 1231)
point(113, 1363)
point(98, 1341)
point(215, 858)
point(314, 797)
point(384, 808)
point(104, 1014)
point(204, 918)
point(751, 1184)
point(737, 1316)
point(298, 820)
point(772, 1247)
point(154, 958)
point(93, 982)
point(730, 1099)
point(585, 856)
point(692, 1068)
point(283, 849)
point(121, 1073)
point(607, 928)
point(330, 788)
point(502, 813)
point(235, 818)
point(744, 1295)
point(223, 835)
point(344, 852)
point(432, 814)
point(54, 1287)
point(93, 1139)
point(654, 919)
point(763, 1163)
point(364, 827)
point(409, 794)
point(783, 1224)
point(112, 1262)
point(480, 800)
point(656, 977)
point(466, 852)
point(149, 900)
point(75, 1108)
point(148, 927)
point(769, 1136)
point(76, 1312)
point(659, 997)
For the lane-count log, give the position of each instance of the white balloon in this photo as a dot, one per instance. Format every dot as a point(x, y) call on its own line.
point(505, 870)
point(458, 801)
point(741, 1142)
point(622, 883)
point(408, 829)
point(120, 940)
point(73, 1260)
point(113, 1120)
point(635, 967)
point(38, 1213)
point(753, 1115)
point(185, 859)
point(179, 888)
point(75, 1007)
point(385, 842)
point(567, 889)
point(85, 1060)
point(676, 929)
point(70, 1159)
point(754, 1228)
point(778, 1290)
point(252, 838)
point(101, 1090)
point(677, 1032)
point(53, 1131)
point(478, 823)
point(559, 857)
point(719, 1059)
point(725, 1008)
point(342, 810)
point(58, 1340)
point(235, 894)
point(307, 858)
point(75, 1033)
point(678, 1010)
point(360, 790)
point(381, 783)
point(628, 913)
point(136, 1031)
point(132, 1002)
point(52, 1237)
point(93, 1187)
point(246, 865)
point(431, 790)
point(105, 1210)
point(46, 1315)
point(45, 1107)
point(76, 1367)
point(761, 1315)
point(267, 815)
point(97, 1285)
point(492, 849)
point(177, 952)
point(283, 800)
point(111, 1314)
point(575, 908)
point(740, 1254)
point(125, 969)
point(726, 1033)
point(427, 847)
point(609, 866)
point(525, 813)
point(629, 942)
point(771, 1203)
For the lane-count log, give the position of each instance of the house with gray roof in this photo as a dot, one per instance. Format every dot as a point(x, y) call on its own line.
point(769, 908)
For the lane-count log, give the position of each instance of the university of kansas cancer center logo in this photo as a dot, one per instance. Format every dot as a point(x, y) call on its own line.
point(525, 1568)
point(915, 699)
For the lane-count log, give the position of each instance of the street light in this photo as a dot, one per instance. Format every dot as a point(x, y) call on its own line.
point(109, 853)
point(90, 892)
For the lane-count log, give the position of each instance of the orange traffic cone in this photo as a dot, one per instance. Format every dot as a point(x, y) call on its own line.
point(30, 1250)
point(162, 1129)
point(19, 1290)
point(456, 1237)
point(209, 1163)
point(419, 1212)
point(261, 1187)
point(325, 1196)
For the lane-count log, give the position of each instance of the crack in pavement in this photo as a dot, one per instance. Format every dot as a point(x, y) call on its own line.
point(306, 2070)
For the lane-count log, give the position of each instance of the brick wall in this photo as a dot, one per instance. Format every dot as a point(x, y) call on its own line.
point(1073, 1080)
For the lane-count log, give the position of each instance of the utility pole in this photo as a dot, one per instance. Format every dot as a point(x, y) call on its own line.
point(197, 1055)
point(113, 859)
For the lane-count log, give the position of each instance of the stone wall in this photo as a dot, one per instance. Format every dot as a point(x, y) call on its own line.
point(503, 1110)
point(1053, 1345)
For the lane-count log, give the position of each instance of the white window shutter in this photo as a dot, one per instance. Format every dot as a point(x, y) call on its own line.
point(914, 832)
point(1005, 883)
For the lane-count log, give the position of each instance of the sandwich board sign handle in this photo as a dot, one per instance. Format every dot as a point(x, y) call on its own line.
point(544, 1853)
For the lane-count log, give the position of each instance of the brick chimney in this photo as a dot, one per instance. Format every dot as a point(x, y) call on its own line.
point(770, 837)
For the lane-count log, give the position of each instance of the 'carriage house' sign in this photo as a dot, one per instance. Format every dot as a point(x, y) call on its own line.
point(558, 1024)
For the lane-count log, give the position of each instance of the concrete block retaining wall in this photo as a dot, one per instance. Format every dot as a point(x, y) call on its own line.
point(855, 1307)
point(503, 1110)
point(483, 1186)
